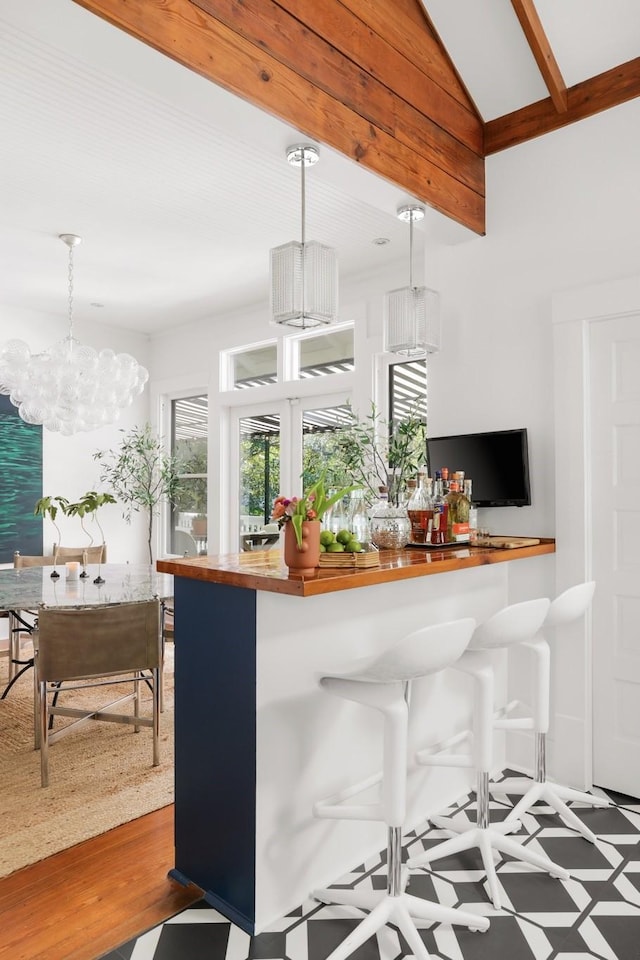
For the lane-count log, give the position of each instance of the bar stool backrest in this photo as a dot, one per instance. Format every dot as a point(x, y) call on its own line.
point(513, 624)
point(571, 604)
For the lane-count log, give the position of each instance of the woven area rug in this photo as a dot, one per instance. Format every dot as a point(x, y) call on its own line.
point(100, 776)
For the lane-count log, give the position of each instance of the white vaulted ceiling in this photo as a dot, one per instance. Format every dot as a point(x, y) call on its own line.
point(179, 190)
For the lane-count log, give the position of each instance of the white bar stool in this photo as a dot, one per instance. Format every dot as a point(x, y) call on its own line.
point(383, 683)
point(567, 607)
point(511, 625)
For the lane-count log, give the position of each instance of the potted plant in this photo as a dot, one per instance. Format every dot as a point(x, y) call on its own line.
point(49, 507)
point(88, 505)
point(199, 525)
point(380, 453)
point(141, 473)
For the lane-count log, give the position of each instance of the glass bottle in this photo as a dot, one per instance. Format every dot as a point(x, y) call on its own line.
point(457, 516)
point(359, 519)
point(473, 512)
point(420, 510)
point(338, 517)
point(440, 510)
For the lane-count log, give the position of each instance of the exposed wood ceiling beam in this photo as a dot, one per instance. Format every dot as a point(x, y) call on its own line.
point(592, 96)
point(334, 72)
point(541, 50)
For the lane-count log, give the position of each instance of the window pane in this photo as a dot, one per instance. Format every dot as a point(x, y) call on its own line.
point(326, 353)
point(190, 424)
point(255, 367)
point(408, 390)
point(321, 433)
point(259, 474)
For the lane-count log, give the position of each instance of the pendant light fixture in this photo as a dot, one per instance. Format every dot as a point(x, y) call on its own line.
point(412, 322)
point(69, 387)
point(304, 273)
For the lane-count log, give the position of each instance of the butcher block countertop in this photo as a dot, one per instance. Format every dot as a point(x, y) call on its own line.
point(265, 570)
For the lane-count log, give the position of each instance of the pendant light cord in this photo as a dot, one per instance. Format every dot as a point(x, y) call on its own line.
point(411, 250)
point(303, 164)
point(71, 294)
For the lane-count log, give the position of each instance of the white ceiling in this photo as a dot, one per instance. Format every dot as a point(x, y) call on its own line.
point(179, 190)
point(485, 41)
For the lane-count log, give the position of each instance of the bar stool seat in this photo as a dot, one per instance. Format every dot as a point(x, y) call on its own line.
point(567, 607)
point(382, 683)
point(511, 625)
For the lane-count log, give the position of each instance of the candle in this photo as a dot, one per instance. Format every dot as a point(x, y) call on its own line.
point(73, 568)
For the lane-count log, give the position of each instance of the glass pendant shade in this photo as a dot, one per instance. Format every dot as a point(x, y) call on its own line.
point(412, 314)
point(304, 274)
point(412, 321)
point(304, 284)
point(69, 387)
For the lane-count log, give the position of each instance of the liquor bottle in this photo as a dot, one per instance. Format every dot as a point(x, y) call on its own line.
point(473, 512)
point(420, 510)
point(457, 516)
point(440, 510)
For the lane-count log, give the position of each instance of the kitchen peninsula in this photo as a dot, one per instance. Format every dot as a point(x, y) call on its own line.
point(257, 741)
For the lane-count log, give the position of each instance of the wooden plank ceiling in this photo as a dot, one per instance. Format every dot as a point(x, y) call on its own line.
point(369, 78)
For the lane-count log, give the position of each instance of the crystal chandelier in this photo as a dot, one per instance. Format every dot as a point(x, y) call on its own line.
point(412, 326)
point(304, 274)
point(69, 387)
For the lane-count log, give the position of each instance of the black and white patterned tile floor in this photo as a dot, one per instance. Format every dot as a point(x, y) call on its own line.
point(595, 915)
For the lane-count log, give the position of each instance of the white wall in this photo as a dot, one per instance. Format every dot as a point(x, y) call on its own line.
point(562, 212)
point(68, 466)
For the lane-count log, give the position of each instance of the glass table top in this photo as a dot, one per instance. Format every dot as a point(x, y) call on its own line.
point(123, 583)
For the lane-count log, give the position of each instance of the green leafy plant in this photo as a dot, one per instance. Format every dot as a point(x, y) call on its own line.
point(311, 506)
point(88, 505)
point(383, 453)
point(141, 474)
point(49, 507)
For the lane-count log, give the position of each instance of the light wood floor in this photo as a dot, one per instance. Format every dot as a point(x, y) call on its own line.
point(87, 900)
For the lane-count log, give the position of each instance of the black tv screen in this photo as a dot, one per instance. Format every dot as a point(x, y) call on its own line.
point(497, 463)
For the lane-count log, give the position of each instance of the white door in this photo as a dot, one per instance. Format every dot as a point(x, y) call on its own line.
point(274, 448)
point(615, 524)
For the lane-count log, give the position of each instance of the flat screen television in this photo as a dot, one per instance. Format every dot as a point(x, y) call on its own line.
point(496, 462)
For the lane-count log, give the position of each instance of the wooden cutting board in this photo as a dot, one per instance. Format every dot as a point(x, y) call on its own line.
point(510, 543)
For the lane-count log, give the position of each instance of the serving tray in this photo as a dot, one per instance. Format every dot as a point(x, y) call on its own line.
point(370, 558)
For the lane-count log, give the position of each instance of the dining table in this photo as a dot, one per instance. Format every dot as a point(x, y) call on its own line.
point(106, 583)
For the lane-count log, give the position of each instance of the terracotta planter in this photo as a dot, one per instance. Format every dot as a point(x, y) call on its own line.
point(199, 526)
point(303, 559)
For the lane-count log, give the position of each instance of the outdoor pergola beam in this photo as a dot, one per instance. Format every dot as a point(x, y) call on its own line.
point(541, 50)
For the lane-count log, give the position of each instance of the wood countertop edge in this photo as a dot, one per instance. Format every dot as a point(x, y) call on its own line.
point(211, 570)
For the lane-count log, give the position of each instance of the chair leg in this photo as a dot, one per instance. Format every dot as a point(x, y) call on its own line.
point(44, 735)
point(156, 715)
point(373, 922)
point(136, 698)
point(486, 852)
point(409, 931)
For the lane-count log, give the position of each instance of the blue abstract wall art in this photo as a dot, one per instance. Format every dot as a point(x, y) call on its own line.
point(20, 483)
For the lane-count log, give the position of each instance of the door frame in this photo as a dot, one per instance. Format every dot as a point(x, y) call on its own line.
point(573, 312)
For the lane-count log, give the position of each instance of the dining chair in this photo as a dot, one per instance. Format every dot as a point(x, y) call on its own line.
point(97, 554)
point(83, 647)
point(21, 624)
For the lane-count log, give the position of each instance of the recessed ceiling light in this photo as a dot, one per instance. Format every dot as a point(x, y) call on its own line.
point(381, 241)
